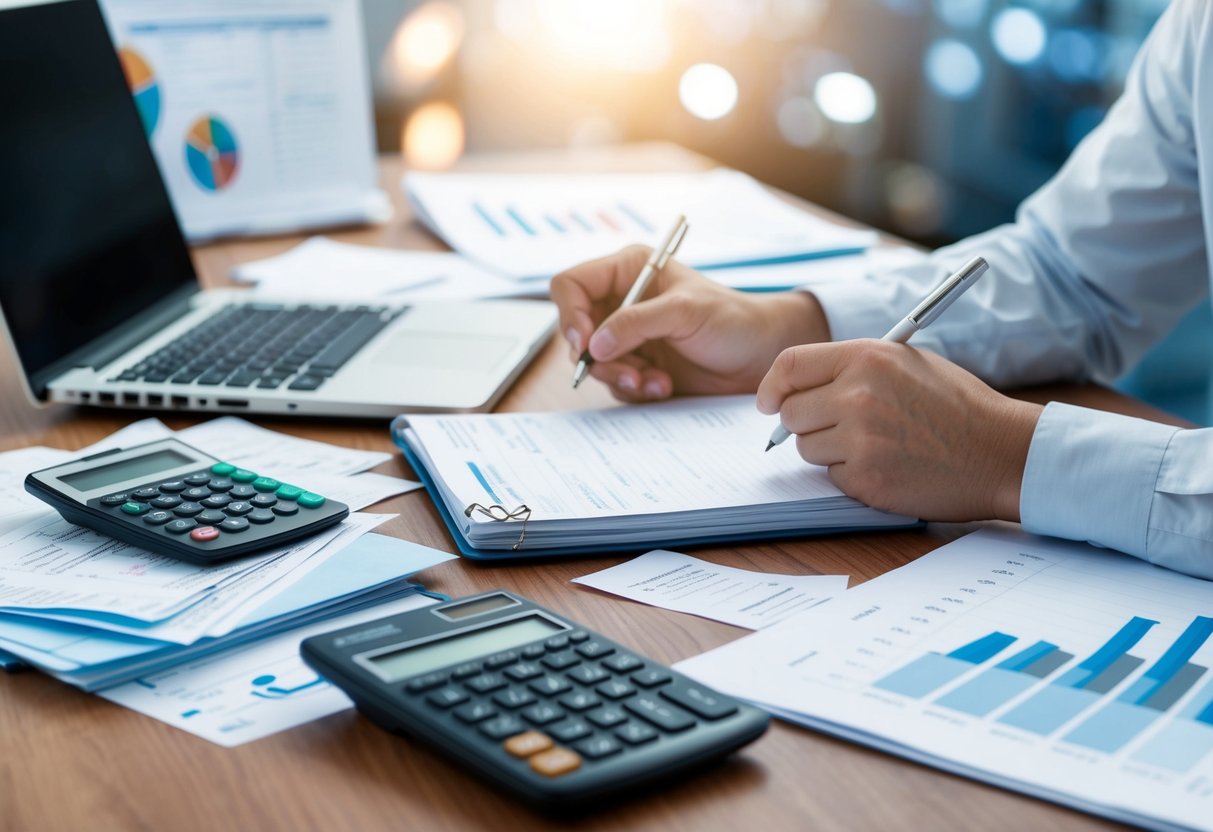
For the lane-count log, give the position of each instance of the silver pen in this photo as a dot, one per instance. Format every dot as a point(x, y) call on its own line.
point(656, 263)
point(924, 315)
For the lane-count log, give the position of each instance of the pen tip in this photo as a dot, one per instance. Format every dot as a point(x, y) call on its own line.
point(769, 446)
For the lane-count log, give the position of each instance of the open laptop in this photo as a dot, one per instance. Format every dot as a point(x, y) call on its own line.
point(100, 300)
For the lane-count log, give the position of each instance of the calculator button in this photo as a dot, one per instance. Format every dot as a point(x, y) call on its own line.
point(503, 726)
point(514, 697)
point(220, 484)
point(570, 729)
point(623, 663)
point(242, 475)
point(555, 761)
point(705, 703)
point(559, 661)
point(465, 670)
point(238, 508)
point(606, 716)
point(167, 501)
point(635, 733)
point(615, 689)
point(474, 712)
point(650, 678)
point(242, 492)
point(115, 499)
point(180, 526)
point(527, 743)
point(286, 509)
point(427, 682)
point(289, 492)
point(264, 501)
point(172, 487)
point(145, 493)
point(581, 700)
point(588, 674)
point(211, 517)
point(204, 533)
point(595, 649)
point(557, 642)
point(222, 469)
point(523, 671)
point(533, 651)
point(578, 636)
point(598, 747)
point(234, 524)
point(543, 713)
point(550, 686)
point(134, 508)
point(216, 501)
point(261, 516)
point(157, 518)
point(196, 493)
point(266, 484)
point(500, 660)
point(486, 683)
point(309, 500)
point(200, 478)
point(446, 697)
point(187, 510)
point(665, 717)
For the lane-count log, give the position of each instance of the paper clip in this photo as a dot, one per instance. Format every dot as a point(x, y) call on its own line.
point(502, 514)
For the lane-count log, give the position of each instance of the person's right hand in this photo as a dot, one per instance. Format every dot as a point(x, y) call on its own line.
point(691, 336)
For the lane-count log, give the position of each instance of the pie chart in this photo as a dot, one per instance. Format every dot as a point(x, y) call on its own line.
point(144, 86)
point(211, 153)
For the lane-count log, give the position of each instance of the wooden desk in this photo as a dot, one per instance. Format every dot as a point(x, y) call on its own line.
point(74, 761)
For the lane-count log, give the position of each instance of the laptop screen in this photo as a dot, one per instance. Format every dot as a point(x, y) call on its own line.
point(88, 238)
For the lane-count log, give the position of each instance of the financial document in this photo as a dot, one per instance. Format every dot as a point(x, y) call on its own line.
point(675, 581)
point(1068, 672)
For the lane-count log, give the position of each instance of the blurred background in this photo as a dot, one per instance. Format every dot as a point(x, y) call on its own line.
point(930, 119)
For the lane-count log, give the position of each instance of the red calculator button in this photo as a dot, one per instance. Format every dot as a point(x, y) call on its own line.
point(204, 533)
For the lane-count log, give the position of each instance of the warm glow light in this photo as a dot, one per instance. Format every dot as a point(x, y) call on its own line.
point(433, 137)
point(708, 91)
point(425, 41)
point(628, 35)
point(845, 97)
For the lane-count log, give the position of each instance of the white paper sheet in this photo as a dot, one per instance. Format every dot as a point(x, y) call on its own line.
point(250, 692)
point(18, 506)
point(740, 597)
point(234, 440)
point(815, 272)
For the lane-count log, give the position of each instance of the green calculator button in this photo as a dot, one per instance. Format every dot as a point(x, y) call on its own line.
point(243, 475)
point(265, 484)
point(142, 508)
point(222, 469)
point(309, 500)
point(289, 492)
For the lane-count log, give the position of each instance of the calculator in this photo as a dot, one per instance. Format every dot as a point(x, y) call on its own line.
point(548, 710)
point(172, 499)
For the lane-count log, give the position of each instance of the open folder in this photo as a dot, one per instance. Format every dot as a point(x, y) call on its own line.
point(678, 473)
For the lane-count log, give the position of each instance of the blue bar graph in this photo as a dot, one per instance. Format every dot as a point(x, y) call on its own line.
point(1186, 740)
point(930, 672)
point(556, 226)
point(1084, 685)
point(488, 219)
point(636, 217)
point(516, 216)
point(1006, 680)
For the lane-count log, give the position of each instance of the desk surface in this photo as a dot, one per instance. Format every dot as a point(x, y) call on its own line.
point(72, 760)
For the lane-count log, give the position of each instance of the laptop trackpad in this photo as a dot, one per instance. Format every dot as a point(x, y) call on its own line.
point(443, 351)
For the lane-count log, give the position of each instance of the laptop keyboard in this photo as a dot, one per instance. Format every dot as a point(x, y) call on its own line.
point(264, 345)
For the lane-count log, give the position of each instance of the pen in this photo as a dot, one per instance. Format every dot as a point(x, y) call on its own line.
point(924, 314)
point(656, 263)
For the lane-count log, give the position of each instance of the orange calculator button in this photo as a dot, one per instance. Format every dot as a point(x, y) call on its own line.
point(555, 762)
point(528, 743)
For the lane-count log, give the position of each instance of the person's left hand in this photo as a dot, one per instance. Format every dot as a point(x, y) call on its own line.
point(903, 430)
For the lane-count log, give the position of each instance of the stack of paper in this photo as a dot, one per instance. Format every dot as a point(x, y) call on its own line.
point(532, 227)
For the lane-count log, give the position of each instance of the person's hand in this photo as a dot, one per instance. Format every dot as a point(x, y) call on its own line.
point(903, 430)
point(691, 336)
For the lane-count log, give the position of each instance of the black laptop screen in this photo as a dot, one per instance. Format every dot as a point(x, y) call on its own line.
point(88, 238)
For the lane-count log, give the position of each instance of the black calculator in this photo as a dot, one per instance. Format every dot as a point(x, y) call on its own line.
point(550, 711)
point(172, 499)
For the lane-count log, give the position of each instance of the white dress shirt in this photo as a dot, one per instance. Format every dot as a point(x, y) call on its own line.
point(1100, 263)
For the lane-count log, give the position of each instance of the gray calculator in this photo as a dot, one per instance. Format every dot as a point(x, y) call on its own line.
point(172, 499)
point(546, 709)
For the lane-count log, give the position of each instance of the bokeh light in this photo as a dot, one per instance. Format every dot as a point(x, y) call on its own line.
point(1077, 55)
point(425, 42)
point(917, 198)
point(953, 69)
point(845, 97)
point(1019, 35)
point(800, 122)
point(626, 35)
point(708, 91)
point(433, 136)
point(960, 14)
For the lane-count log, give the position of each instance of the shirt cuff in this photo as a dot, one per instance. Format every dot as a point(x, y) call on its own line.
point(1091, 476)
point(853, 308)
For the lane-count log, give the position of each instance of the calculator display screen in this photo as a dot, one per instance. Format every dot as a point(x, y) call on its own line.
point(139, 466)
point(410, 661)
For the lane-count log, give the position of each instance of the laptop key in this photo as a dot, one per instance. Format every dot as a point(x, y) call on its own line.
point(270, 382)
point(306, 382)
point(349, 342)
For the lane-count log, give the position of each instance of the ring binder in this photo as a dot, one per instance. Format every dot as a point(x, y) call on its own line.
point(502, 514)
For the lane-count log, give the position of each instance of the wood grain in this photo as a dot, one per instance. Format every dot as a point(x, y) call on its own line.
point(72, 761)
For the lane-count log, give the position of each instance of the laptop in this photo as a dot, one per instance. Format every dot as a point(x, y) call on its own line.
point(100, 301)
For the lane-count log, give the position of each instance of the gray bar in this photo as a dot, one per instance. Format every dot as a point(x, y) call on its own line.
point(1176, 686)
point(1047, 663)
point(1114, 675)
